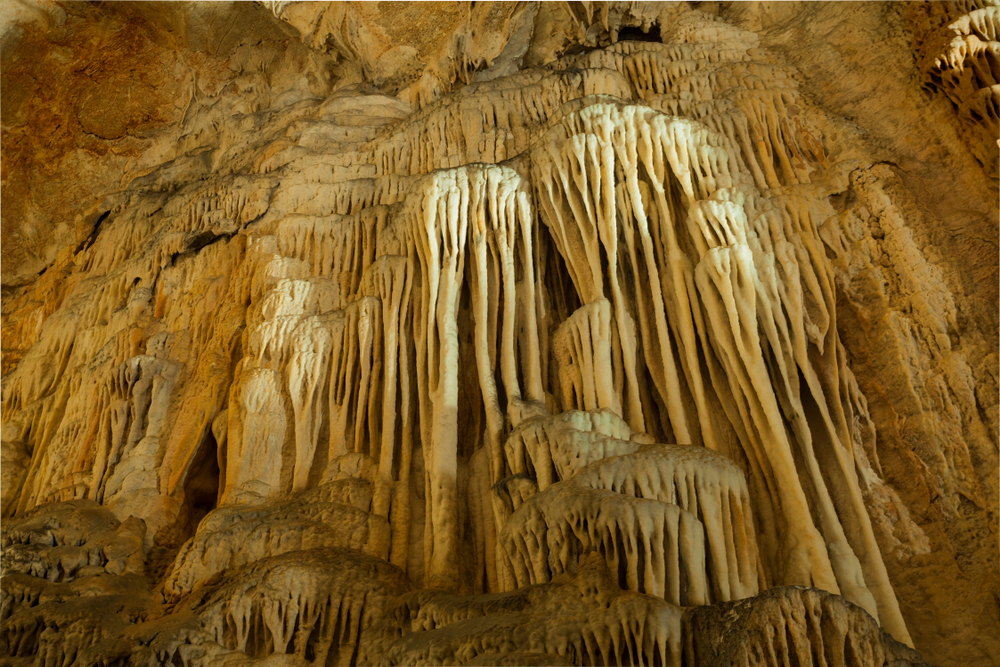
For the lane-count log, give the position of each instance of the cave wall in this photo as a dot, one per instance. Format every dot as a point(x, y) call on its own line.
point(518, 333)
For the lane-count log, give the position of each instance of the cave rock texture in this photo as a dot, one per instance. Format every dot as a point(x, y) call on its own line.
point(513, 333)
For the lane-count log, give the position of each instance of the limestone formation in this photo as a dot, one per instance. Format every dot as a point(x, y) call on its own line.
point(959, 51)
point(502, 333)
point(788, 626)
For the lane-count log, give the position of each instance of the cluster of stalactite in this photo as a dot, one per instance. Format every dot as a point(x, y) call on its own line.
point(570, 311)
point(959, 56)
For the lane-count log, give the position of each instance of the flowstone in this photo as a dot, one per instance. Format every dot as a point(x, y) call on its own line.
point(526, 333)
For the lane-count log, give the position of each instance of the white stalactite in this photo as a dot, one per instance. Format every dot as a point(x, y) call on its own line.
point(457, 344)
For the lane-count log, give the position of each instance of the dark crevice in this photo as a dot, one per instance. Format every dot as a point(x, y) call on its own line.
point(576, 49)
point(203, 480)
point(196, 242)
point(92, 237)
point(637, 34)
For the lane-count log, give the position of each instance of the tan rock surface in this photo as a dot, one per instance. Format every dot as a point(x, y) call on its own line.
point(350, 333)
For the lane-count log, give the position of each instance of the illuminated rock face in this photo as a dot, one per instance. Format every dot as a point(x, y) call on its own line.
point(537, 334)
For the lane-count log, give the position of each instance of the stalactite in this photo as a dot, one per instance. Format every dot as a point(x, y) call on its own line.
point(790, 625)
point(566, 339)
point(335, 514)
point(717, 227)
point(439, 221)
point(483, 213)
point(961, 60)
point(390, 279)
point(585, 620)
point(583, 348)
point(315, 604)
point(556, 447)
point(708, 486)
point(689, 489)
point(655, 548)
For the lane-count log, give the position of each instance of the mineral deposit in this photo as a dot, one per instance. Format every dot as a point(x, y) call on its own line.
point(503, 333)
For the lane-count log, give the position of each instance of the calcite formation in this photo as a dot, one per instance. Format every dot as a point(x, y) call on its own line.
point(504, 333)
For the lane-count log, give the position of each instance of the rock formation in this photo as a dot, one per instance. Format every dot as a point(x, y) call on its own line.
point(500, 333)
